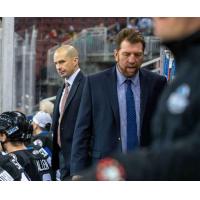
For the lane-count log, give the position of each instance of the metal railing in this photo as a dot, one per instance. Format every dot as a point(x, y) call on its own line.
point(25, 70)
point(93, 45)
point(18, 69)
point(7, 72)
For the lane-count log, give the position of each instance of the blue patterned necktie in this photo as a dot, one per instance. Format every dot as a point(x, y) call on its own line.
point(132, 139)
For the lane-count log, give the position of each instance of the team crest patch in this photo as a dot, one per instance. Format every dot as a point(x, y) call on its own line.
point(35, 152)
point(179, 99)
point(38, 142)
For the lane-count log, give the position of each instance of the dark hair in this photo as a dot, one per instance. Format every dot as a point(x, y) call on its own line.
point(48, 126)
point(131, 35)
point(15, 125)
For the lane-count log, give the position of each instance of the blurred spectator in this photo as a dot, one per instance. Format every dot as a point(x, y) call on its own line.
point(112, 32)
point(64, 36)
point(52, 34)
point(71, 28)
point(145, 26)
point(72, 32)
point(46, 106)
point(117, 26)
point(111, 35)
point(101, 25)
point(132, 24)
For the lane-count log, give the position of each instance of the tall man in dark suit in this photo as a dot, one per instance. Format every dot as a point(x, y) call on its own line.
point(174, 153)
point(66, 106)
point(117, 105)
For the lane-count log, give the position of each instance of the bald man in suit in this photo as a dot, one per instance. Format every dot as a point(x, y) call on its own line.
point(66, 107)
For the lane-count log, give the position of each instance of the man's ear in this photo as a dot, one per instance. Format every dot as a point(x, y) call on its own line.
point(37, 127)
point(3, 137)
point(116, 55)
point(75, 60)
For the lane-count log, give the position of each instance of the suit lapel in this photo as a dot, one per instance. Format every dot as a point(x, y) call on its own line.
point(144, 94)
point(111, 87)
point(73, 89)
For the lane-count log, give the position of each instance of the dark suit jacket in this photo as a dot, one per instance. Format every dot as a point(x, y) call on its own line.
point(97, 131)
point(67, 123)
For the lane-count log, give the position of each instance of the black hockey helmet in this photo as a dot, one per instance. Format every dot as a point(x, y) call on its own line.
point(15, 126)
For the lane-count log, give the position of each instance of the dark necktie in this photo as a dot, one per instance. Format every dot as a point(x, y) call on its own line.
point(62, 107)
point(132, 139)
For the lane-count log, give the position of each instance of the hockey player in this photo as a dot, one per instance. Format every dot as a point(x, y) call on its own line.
point(15, 130)
point(11, 170)
point(41, 131)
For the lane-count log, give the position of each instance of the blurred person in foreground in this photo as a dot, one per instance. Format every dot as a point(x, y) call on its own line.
point(174, 154)
point(117, 105)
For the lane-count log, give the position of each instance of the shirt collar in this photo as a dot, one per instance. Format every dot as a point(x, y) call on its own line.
point(70, 80)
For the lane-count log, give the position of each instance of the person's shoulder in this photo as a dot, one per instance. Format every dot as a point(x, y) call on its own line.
point(38, 152)
point(3, 158)
point(20, 154)
point(101, 74)
point(80, 75)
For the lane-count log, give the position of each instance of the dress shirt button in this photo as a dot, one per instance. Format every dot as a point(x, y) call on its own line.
point(119, 138)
